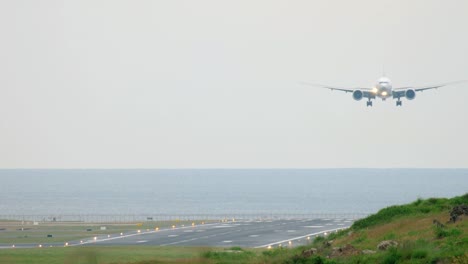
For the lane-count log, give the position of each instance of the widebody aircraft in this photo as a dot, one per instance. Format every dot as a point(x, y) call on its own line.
point(383, 89)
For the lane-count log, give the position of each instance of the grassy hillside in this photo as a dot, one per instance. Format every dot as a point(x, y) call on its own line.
point(413, 226)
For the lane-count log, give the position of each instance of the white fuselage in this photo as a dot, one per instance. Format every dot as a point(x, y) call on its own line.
point(383, 88)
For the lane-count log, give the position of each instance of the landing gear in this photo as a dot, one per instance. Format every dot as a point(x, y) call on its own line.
point(398, 103)
point(369, 103)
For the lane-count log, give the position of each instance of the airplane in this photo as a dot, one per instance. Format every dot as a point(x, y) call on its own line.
point(383, 89)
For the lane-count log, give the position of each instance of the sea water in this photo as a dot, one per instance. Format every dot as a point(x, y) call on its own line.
point(221, 191)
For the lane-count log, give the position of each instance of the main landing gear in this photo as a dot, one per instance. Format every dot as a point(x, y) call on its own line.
point(398, 103)
point(369, 103)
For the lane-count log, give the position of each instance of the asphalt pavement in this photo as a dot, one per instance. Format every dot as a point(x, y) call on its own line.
point(242, 233)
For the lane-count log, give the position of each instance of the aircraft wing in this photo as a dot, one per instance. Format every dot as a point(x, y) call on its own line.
point(347, 90)
point(420, 89)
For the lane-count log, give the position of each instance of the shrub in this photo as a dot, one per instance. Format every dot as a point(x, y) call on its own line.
point(419, 254)
point(392, 257)
point(319, 239)
point(417, 202)
point(459, 200)
point(441, 232)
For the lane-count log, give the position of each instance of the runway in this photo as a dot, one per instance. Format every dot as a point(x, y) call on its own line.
point(238, 233)
point(248, 234)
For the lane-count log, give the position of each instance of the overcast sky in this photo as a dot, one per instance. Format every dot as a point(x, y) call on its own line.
point(202, 84)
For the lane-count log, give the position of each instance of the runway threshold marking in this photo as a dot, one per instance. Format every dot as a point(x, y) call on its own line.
point(299, 237)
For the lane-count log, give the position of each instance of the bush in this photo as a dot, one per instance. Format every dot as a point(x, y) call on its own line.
point(419, 254)
point(459, 200)
point(392, 257)
point(441, 232)
point(319, 239)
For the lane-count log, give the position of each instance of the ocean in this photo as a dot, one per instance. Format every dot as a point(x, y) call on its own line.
point(220, 191)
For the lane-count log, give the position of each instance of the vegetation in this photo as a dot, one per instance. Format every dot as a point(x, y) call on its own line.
point(421, 230)
point(419, 207)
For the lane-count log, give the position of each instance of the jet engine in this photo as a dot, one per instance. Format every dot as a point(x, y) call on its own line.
point(357, 95)
point(410, 94)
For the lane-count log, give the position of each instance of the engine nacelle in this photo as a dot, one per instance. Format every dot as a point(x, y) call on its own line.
point(410, 94)
point(357, 95)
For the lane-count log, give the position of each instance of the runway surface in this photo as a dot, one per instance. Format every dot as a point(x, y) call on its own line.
point(250, 234)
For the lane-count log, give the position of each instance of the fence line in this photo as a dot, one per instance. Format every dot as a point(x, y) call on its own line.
point(128, 218)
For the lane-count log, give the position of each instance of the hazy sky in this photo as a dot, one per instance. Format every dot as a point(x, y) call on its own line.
point(189, 84)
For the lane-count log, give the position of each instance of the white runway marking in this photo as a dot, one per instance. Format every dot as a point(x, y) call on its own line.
point(172, 235)
point(142, 241)
point(227, 241)
point(313, 226)
point(253, 236)
point(196, 238)
point(291, 231)
point(178, 242)
point(297, 238)
point(130, 235)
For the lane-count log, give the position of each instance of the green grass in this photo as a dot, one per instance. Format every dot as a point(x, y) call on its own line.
point(104, 255)
point(419, 207)
point(232, 255)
